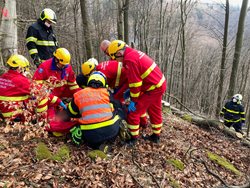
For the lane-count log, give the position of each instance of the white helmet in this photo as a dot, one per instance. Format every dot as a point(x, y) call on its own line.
point(93, 60)
point(237, 98)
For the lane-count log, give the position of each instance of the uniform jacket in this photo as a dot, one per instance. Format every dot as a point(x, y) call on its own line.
point(15, 88)
point(142, 72)
point(92, 105)
point(115, 73)
point(233, 112)
point(95, 112)
point(41, 40)
point(64, 80)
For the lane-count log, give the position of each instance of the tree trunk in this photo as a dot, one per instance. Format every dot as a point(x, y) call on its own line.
point(223, 60)
point(126, 24)
point(85, 23)
point(120, 20)
point(238, 45)
point(8, 30)
point(183, 48)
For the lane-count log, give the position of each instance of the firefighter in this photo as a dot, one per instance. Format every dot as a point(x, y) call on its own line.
point(40, 39)
point(147, 85)
point(95, 110)
point(233, 113)
point(15, 88)
point(58, 72)
point(122, 93)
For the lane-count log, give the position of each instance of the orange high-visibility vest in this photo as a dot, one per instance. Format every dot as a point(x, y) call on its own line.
point(94, 105)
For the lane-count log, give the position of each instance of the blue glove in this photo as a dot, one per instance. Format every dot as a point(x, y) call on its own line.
point(126, 94)
point(131, 106)
point(63, 105)
point(243, 124)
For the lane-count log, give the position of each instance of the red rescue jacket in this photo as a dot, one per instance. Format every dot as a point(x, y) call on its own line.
point(143, 73)
point(63, 80)
point(15, 90)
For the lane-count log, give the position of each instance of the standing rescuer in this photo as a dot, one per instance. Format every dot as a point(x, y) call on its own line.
point(233, 113)
point(95, 110)
point(147, 85)
point(58, 67)
point(40, 39)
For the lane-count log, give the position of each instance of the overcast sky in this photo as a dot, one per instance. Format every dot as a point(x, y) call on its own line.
point(232, 2)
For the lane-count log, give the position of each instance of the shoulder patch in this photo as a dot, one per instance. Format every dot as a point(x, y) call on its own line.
point(40, 70)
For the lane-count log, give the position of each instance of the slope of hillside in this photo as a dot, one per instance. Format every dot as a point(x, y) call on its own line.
point(180, 160)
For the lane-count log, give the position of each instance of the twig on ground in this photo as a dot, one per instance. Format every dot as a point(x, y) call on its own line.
point(184, 106)
point(133, 156)
point(135, 180)
point(225, 185)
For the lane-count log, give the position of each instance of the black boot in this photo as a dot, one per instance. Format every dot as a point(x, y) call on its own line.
point(131, 141)
point(153, 138)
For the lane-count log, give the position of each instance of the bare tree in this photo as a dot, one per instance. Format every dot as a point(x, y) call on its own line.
point(126, 21)
point(8, 30)
point(85, 22)
point(120, 22)
point(223, 59)
point(238, 46)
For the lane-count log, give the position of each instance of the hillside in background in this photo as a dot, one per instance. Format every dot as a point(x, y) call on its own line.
point(185, 157)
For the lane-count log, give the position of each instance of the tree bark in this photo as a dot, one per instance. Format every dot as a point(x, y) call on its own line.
point(120, 20)
point(8, 30)
point(238, 45)
point(223, 60)
point(85, 23)
point(126, 24)
point(183, 48)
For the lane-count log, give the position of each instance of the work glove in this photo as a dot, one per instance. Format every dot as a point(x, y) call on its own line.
point(131, 106)
point(76, 135)
point(126, 94)
point(37, 61)
point(63, 105)
point(243, 124)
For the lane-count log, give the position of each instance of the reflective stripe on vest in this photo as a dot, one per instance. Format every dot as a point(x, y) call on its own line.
point(16, 98)
point(45, 43)
point(101, 124)
point(33, 51)
point(10, 114)
point(119, 69)
point(94, 105)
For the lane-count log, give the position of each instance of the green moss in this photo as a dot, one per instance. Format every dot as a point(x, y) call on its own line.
point(62, 154)
point(42, 151)
point(166, 110)
point(187, 117)
point(177, 163)
point(172, 181)
point(97, 153)
point(223, 162)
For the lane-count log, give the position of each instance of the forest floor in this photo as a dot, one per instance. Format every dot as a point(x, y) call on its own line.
point(179, 160)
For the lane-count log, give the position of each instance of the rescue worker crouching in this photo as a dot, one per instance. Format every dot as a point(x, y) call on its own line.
point(15, 88)
point(95, 110)
point(233, 113)
point(58, 71)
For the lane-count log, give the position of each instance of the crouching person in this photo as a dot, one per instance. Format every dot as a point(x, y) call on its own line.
point(95, 110)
